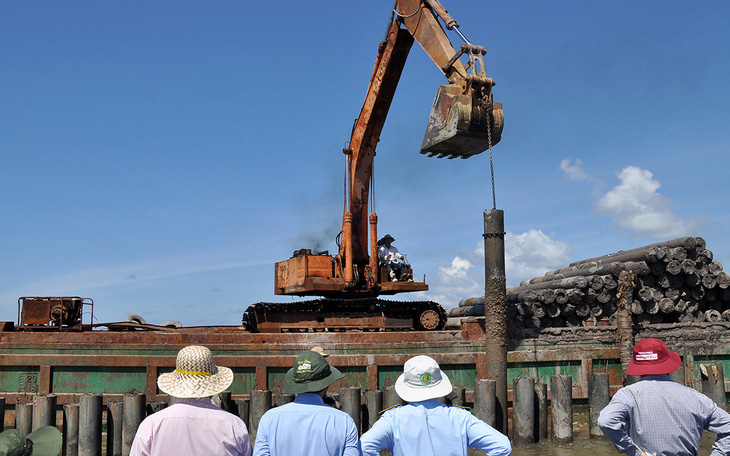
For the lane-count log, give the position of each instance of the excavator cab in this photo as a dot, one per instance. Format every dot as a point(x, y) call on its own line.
point(464, 120)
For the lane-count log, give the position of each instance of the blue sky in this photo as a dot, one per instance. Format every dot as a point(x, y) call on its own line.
point(160, 157)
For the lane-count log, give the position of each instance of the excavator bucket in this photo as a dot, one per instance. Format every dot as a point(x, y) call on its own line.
point(458, 125)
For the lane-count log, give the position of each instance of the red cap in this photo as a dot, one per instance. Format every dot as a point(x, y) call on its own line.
point(651, 357)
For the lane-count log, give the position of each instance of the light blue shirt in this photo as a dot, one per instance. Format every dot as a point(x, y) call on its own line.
point(430, 428)
point(306, 427)
point(660, 416)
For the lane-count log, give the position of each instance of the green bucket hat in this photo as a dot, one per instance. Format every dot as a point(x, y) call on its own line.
point(311, 373)
point(45, 441)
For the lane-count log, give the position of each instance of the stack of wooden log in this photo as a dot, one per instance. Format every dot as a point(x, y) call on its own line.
point(675, 281)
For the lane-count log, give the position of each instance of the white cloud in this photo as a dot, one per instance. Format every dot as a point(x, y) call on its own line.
point(458, 269)
point(575, 171)
point(635, 205)
point(527, 255)
point(531, 254)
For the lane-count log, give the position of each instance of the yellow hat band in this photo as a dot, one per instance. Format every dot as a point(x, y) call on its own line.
point(193, 372)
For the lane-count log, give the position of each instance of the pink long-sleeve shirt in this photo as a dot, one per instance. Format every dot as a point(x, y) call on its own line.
point(192, 427)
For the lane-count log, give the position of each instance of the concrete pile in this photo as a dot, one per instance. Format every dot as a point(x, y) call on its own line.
point(675, 281)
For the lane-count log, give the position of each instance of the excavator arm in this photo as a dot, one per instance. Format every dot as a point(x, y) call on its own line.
point(464, 120)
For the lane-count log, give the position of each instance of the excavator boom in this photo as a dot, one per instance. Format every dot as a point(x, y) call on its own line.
point(464, 121)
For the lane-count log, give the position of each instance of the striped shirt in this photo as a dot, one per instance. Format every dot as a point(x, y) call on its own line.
point(660, 416)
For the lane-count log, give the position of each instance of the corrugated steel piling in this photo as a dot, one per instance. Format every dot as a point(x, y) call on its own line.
point(71, 430)
point(485, 400)
point(90, 420)
point(226, 403)
point(133, 410)
point(713, 384)
point(373, 406)
point(523, 411)
point(391, 398)
point(458, 396)
point(44, 411)
point(260, 404)
point(541, 411)
point(281, 399)
point(599, 395)
point(24, 418)
point(351, 403)
point(114, 427)
point(561, 407)
point(495, 311)
point(242, 409)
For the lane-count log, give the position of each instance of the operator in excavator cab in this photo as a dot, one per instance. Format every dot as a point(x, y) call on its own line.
point(390, 258)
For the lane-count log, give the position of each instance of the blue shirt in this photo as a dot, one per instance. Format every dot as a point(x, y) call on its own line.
point(430, 428)
point(660, 416)
point(306, 427)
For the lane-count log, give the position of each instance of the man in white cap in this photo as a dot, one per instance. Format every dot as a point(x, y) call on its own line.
point(307, 426)
point(193, 424)
point(656, 416)
point(426, 427)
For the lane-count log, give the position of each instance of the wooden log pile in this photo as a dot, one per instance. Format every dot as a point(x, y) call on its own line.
point(675, 281)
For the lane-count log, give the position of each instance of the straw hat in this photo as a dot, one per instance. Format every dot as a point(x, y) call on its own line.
point(45, 441)
point(652, 357)
point(195, 375)
point(311, 373)
point(422, 379)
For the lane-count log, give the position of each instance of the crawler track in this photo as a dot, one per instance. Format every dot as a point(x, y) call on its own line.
point(362, 314)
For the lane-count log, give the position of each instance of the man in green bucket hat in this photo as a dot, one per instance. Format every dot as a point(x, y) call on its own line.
point(45, 441)
point(307, 426)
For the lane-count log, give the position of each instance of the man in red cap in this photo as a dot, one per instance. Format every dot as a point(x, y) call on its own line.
point(656, 416)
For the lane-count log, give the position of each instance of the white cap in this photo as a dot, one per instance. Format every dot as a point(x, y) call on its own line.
point(422, 379)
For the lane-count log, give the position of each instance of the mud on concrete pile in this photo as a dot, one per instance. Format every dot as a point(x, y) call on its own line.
point(675, 281)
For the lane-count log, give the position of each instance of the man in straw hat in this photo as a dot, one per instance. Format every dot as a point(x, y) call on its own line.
point(307, 426)
point(193, 424)
point(45, 441)
point(426, 427)
point(656, 416)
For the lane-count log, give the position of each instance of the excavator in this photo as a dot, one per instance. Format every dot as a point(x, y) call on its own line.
point(464, 121)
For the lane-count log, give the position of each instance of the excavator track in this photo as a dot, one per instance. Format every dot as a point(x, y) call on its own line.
point(330, 314)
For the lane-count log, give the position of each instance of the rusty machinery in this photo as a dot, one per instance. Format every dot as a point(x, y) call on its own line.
point(464, 121)
point(61, 313)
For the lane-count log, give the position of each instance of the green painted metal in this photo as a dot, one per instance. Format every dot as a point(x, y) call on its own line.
point(387, 375)
point(244, 380)
point(461, 374)
point(19, 379)
point(543, 370)
point(98, 380)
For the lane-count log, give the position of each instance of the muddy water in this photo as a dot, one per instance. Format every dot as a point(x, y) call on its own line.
point(582, 444)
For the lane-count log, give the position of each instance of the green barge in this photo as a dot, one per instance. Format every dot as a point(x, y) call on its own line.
point(72, 363)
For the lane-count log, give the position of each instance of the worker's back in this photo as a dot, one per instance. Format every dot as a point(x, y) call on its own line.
point(430, 428)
